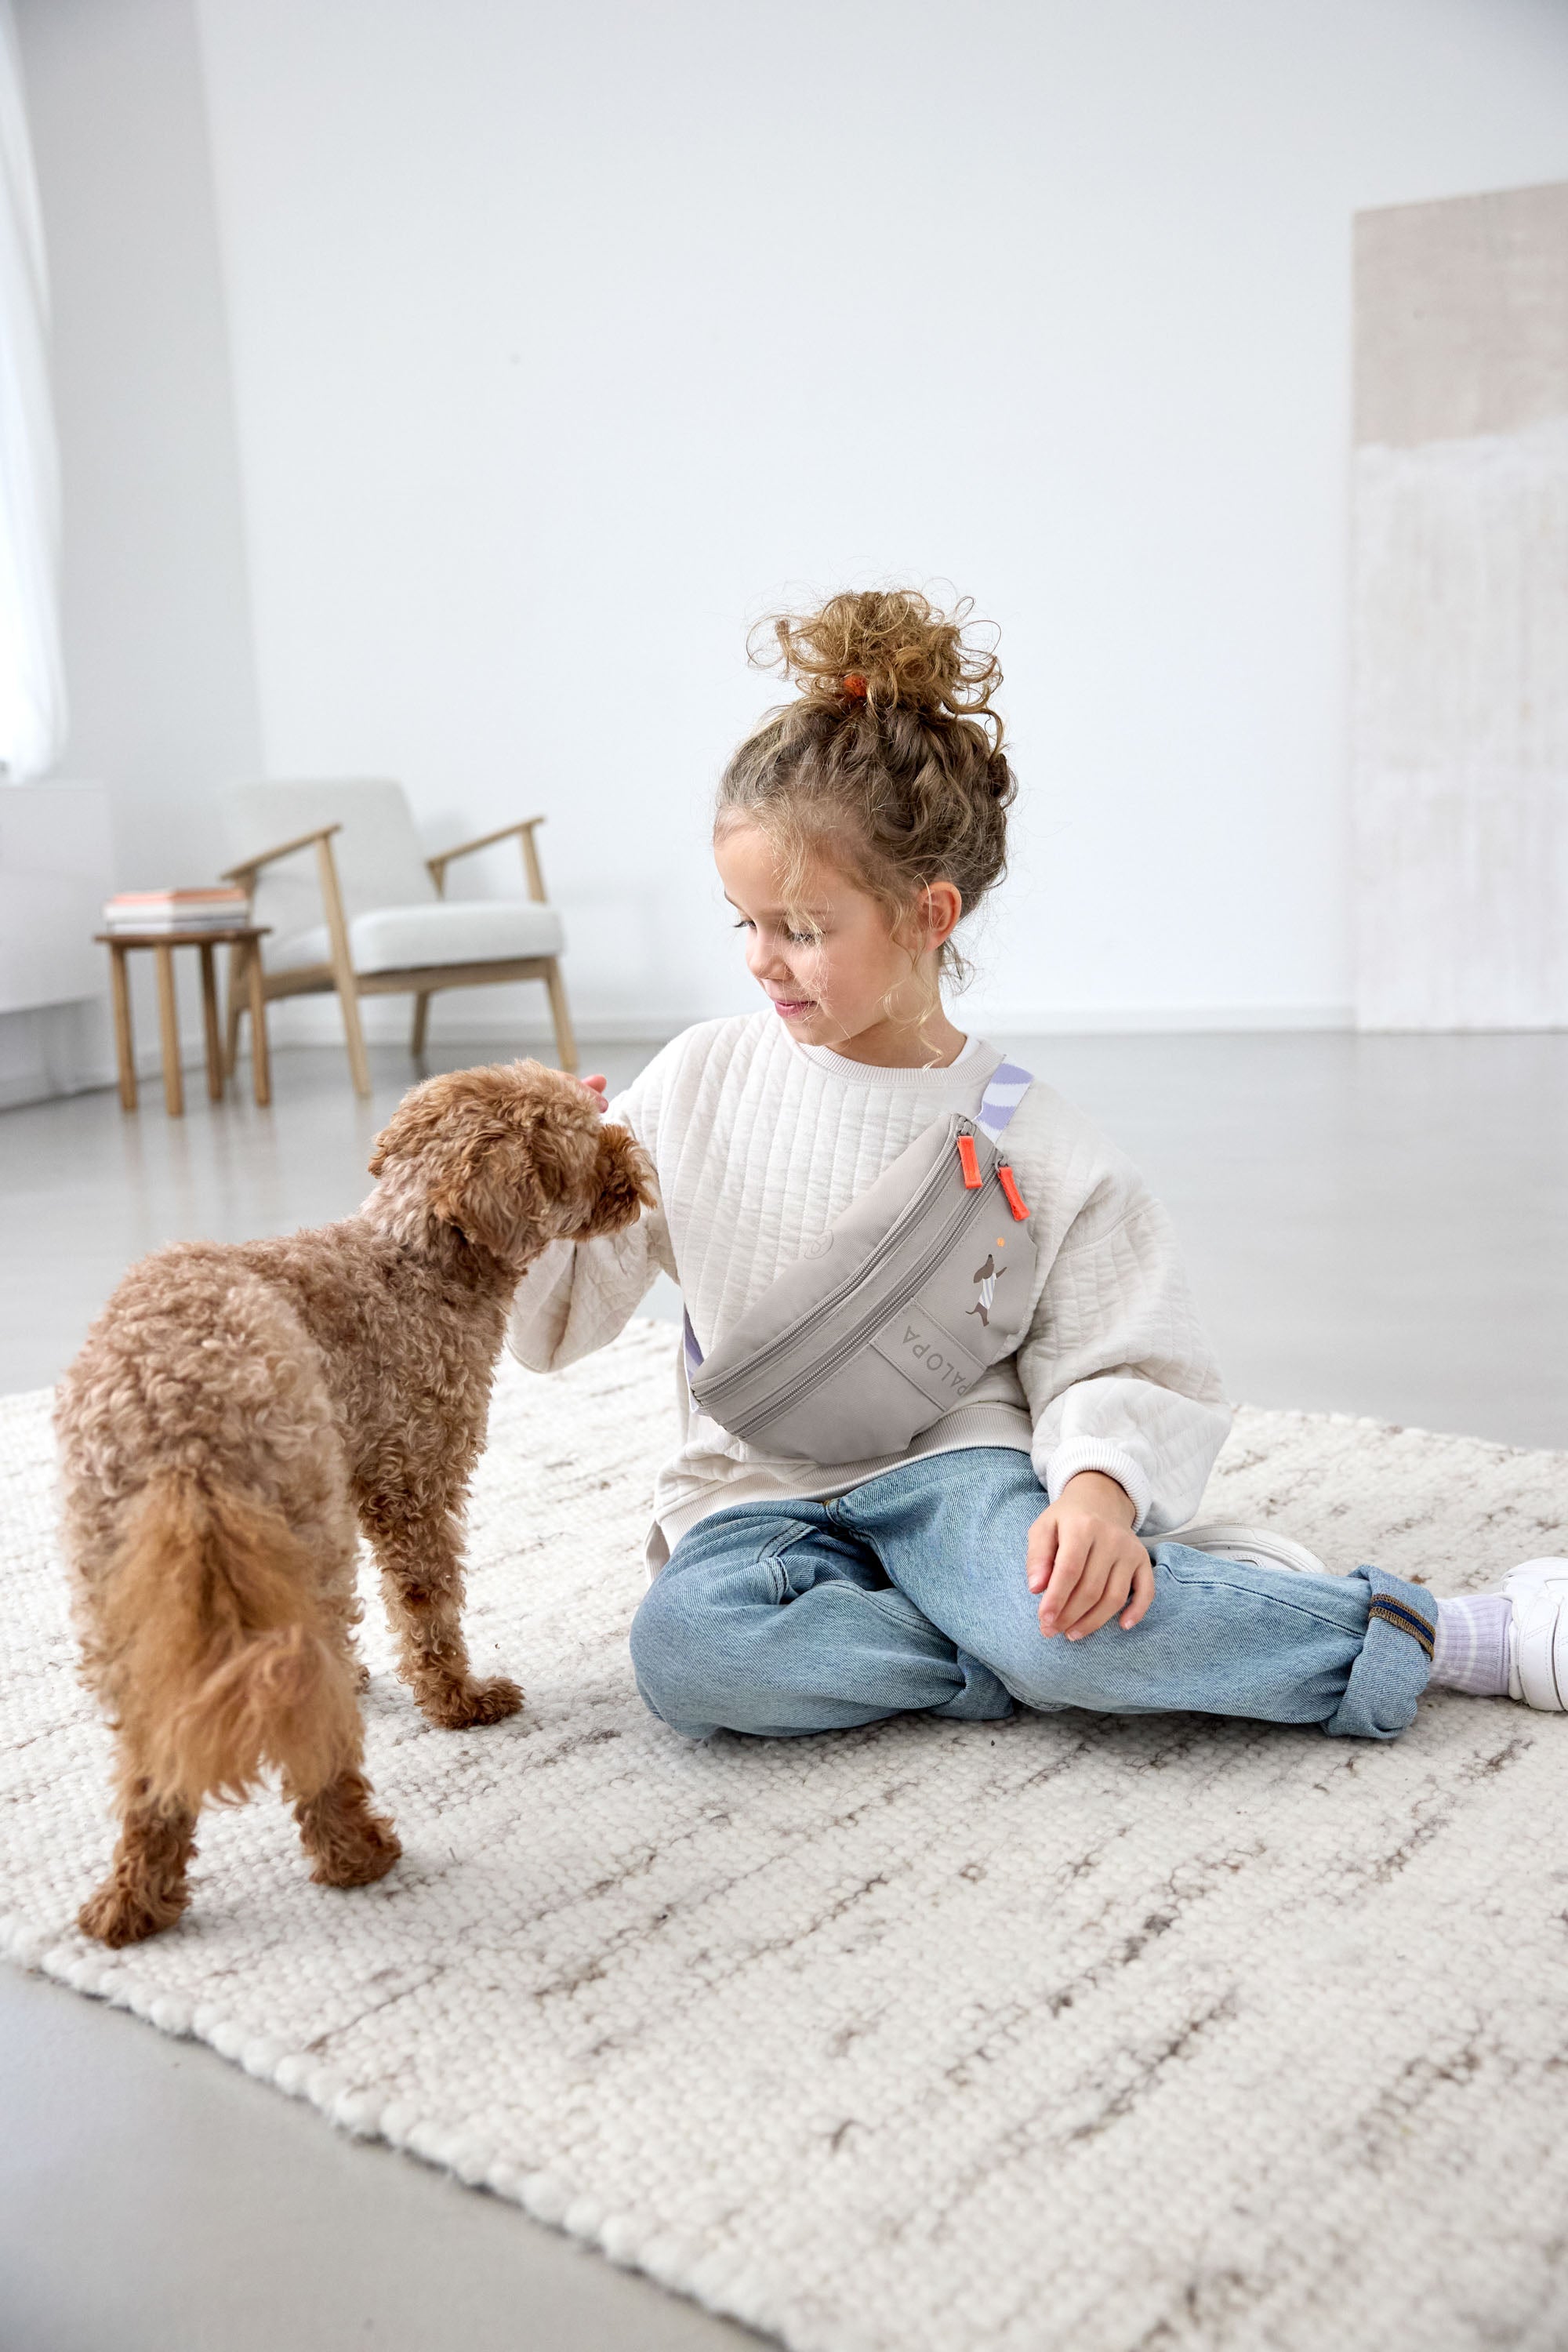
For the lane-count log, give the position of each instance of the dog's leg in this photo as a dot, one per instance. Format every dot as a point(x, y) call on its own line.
point(145, 1889)
point(324, 1781)
point(421, 1577)
point(349, 1845)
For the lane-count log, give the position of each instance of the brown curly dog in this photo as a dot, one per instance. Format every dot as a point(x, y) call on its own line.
point(236, 1409)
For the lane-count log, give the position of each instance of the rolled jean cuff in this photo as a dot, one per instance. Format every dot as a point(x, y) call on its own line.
point(1390, 1675)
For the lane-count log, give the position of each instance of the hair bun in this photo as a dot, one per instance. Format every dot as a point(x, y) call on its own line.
point(888, 760)
point(890, 649)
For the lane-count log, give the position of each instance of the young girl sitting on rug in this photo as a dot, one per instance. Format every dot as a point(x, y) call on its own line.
point(933, 1439)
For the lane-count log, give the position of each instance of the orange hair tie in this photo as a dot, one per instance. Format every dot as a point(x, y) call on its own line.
point(855, 687)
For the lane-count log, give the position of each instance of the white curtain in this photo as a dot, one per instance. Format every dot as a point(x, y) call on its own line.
point(32, 675)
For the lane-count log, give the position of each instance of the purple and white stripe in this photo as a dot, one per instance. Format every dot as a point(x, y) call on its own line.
point(1008, 1086)
point(1470, 1647)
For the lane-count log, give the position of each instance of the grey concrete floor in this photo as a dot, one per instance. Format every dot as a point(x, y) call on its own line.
point(1372, 1226)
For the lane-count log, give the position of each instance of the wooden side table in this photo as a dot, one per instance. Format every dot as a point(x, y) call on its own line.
point(242, 944)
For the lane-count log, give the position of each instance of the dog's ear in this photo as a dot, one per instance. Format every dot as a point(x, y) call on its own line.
point(482, 1188)
point(417, 1119)
point(504, 1185)
point(447, 1137)
point(621, 1184)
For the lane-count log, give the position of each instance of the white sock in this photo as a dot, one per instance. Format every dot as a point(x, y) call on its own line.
point(1471, 1645)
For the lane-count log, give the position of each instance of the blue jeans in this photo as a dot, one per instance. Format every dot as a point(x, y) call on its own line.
point(909, 1594)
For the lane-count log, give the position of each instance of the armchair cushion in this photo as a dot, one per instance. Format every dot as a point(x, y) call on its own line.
point(449, 930)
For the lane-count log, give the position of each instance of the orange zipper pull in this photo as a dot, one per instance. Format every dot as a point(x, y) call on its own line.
point(969, 1161)
point(1010, 1194)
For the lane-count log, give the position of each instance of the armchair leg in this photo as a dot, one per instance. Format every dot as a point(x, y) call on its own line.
point(421, 1015)
point(565, 1043)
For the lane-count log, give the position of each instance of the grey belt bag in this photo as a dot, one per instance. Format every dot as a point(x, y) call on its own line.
point(890, 1317)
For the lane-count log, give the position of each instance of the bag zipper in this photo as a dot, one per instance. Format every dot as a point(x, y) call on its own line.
point(889, 1241)
point(966, 1213)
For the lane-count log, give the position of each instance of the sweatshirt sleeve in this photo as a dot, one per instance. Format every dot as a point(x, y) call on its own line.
point(577, 1295)
point(1117, 1372)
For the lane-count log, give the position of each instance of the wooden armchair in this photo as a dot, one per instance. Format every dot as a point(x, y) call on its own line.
point(389, 928)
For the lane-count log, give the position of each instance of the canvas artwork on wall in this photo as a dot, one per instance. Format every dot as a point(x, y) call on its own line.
point(1460, 754)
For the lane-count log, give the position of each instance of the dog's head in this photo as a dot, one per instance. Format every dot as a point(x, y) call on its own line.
point(513, 1156)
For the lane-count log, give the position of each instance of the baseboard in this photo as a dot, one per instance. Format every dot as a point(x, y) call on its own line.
point(16, 1094)
point(47, 1070)
point(317, 1021)
point(319, 1026)
point(998, 1021)
point(53, 1049)
point(99, 1077)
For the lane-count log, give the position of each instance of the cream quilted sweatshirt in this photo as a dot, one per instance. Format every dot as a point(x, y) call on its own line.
point(760, 1143)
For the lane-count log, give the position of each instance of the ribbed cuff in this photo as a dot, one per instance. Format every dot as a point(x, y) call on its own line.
point(1075, 1454)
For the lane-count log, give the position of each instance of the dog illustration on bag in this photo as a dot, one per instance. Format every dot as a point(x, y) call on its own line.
point(989, 1275)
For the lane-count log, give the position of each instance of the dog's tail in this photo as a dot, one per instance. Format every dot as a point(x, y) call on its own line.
point(222, 1657)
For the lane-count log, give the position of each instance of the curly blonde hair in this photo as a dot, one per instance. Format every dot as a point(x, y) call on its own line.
point(890, 758)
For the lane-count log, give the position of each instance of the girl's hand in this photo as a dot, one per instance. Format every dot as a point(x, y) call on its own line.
point(595, 1086)
point(1086, 1561)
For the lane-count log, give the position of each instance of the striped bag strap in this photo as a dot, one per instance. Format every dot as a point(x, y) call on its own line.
point(1009, 1084)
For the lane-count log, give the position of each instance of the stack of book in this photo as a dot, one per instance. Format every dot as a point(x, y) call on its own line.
point(145, 912)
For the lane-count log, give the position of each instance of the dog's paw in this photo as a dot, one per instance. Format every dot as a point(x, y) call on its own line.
point(462, 1707)
point(120, 1915)
point(358, 1853)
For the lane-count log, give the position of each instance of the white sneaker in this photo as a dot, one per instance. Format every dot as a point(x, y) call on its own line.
point(1538, 1634)
point(1254, 1547)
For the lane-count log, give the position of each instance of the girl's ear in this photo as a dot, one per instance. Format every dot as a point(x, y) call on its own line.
point(941, 906)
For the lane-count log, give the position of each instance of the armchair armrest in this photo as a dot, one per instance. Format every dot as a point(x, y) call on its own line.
point(250, 867)
point(531, 867)
point(320, 841)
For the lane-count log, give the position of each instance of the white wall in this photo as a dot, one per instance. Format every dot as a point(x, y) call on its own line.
point(158, 641)
point(566, 341)
point(569, 340)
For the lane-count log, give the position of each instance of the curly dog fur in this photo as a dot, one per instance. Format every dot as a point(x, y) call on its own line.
point(239, 1414)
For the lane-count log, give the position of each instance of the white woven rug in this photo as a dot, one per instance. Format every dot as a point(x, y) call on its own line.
point(1069, 2032)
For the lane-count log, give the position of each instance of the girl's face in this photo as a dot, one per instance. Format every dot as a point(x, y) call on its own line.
point(830, 965)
